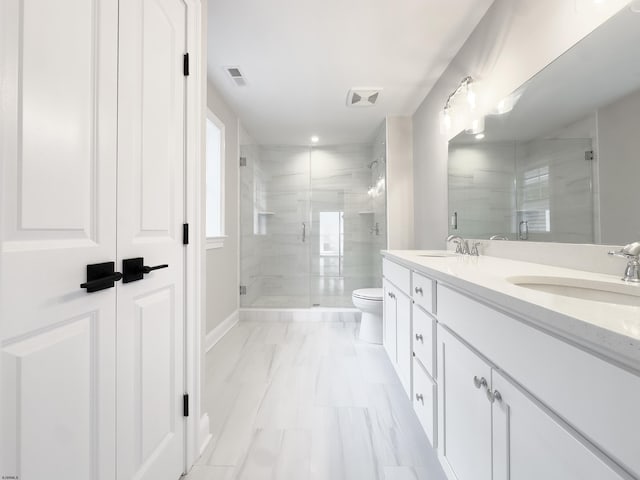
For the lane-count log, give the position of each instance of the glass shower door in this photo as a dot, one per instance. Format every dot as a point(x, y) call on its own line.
point(274, 227)
point(348, 230)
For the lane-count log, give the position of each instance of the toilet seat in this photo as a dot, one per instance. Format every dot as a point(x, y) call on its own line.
point(373, 294)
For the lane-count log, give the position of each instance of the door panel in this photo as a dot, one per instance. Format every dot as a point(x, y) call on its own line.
point(58, 71)
point(403, 340)
point(390, 334)
point(465, 421)
point(33, 366)
point(150, 216)
point(529, 444)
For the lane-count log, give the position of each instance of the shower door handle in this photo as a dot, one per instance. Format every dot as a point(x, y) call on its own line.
point(304, 231)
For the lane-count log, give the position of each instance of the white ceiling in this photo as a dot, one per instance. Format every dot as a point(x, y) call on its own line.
point(300, 58)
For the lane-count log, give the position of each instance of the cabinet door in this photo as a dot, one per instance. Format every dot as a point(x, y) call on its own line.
point(530, 444)
point(403, 340)
point(465, 417)
point(389, 339)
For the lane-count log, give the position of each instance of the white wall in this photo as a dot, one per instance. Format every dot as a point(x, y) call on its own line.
point(619, 165)
point(222, 280)
point(399, 140)
point(515, 40)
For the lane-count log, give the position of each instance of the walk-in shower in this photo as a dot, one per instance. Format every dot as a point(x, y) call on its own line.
point(312, 224)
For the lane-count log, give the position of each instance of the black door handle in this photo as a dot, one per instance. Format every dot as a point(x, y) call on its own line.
point(146, 269)
point(101, 276)
point(134, 269)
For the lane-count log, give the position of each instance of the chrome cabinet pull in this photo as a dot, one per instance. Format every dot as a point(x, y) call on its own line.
point(480, 382)
point(420, 397)
point(304, 231)
point(494, 396)
point(419, 337)
point(418, 290)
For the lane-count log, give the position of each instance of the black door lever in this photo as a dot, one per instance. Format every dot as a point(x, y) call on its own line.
point(101, 276)
point(133, 269)
point(151, 269)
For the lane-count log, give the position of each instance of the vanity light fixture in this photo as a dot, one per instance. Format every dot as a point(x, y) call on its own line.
point(479, 136)
point(476, 122)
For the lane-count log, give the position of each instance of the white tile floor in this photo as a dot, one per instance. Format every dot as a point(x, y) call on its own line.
point(307, 401)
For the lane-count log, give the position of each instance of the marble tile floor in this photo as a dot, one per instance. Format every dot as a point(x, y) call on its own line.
point(308, 401)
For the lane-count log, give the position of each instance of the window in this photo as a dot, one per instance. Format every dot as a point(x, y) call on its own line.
point(535, 200)
point(214, 182)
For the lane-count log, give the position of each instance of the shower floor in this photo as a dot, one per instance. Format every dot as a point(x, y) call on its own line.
point(292, 301)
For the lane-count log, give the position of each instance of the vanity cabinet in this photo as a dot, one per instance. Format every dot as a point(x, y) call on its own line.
point(397, 332)
point(502, 397)
point(409, 331)
point(488, 424)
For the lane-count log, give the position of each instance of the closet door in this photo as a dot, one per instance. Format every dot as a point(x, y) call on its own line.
point(58, 76)
point(150, 352)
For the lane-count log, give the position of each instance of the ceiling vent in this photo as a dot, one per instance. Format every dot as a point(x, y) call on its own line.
point(363, 97)
point(236, 76)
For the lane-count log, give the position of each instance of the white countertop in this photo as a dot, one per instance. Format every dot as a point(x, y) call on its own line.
point(608, 329)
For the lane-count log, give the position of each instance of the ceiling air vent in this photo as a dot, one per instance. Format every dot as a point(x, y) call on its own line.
point(236, 76)
point(363, 97)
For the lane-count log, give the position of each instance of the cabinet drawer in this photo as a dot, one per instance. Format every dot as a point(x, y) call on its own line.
point(422, 293)
point(424, 332)
point(424, 401)
point(597, 398)
point(396, 274)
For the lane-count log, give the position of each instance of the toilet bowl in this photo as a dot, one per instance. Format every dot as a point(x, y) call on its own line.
point(369, 302)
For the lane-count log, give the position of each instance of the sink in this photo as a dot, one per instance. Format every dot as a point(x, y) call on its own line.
point(594, 290)
point(437, 254)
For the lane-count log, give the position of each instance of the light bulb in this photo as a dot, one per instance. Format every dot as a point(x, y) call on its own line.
point(476, 125)
point(445, 121)
point(471, 97)
point(480, 136)
point(315, 139)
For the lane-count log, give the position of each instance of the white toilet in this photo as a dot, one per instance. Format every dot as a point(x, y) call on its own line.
point(369, 302)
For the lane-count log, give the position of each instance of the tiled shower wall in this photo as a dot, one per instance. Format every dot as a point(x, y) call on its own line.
point(286, 187)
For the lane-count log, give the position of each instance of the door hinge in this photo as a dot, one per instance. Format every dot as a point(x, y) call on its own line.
point(185, 234)
point(243, 289)
point(185, 405)
point(243, 161)
point(185, 64)
point(589, 155)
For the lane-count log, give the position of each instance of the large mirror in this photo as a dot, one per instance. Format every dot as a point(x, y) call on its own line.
point(563, 165)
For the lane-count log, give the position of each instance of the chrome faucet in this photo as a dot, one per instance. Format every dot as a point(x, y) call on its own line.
point(631, 252)
point(462, 245)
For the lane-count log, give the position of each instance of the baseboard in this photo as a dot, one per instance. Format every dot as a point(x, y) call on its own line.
point(203, 433)
point(215, 335)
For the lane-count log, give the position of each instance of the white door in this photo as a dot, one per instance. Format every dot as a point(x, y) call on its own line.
point(150, 356)
point(58, 76)
point(529, 444)
point(465, 417)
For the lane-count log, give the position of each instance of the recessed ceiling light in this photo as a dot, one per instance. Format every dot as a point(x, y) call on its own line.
point(315, 139)
point(480, 136)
